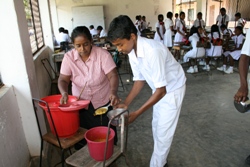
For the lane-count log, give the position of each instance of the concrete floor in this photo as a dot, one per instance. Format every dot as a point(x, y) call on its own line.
point(210, 132)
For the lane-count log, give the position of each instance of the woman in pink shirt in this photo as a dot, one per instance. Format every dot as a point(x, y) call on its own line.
point(93, 68)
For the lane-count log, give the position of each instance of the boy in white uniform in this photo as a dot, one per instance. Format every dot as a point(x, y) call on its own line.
point(152, 62)
point(242, 92)
point(222, 18)
point(199, 22)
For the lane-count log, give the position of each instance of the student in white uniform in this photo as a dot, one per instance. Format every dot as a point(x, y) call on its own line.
point(216, 48)
point(101, 32)
point(199, 22)
point(160, 29)
point(240, 21)
point(222, 18)
point(242, 92)
point(62, 37)
point(152, 62)
point(138, 24)
point(225, 30)
point(181, 29)
point(168, 41)
point(144, 24)
point(175, 20)
point(235, 54)
point(194, 52)
point(93, 31)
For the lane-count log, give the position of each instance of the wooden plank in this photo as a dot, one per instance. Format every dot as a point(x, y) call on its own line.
point(82, 158)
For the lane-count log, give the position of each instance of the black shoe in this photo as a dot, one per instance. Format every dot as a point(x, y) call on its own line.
point(247, 161)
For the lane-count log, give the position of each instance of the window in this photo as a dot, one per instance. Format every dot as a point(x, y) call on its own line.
point(34, 24)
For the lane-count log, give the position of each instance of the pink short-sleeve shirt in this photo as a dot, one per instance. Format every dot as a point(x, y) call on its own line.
point(93, 71)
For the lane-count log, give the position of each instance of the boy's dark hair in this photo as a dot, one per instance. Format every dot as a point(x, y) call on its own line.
point(143, 16)
point(61, 29)
point(81, 31)
point(160, 16)
point(239, 28)
point(91, 26)
point(181, 13)
point(66, 31)
point(176, 14)
point(121, 27)
point(238, 15)
point(169, 14)
point(223, 26)
point(99, 28)
point(223, 9)
point(199, 14)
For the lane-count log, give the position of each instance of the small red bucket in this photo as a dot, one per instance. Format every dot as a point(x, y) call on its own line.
point(96, 139)
point(66, 122)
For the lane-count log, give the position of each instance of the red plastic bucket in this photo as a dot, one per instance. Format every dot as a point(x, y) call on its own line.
point(66, 122)
point(96, 139)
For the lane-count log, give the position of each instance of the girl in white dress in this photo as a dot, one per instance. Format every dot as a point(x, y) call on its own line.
point(181, 29)
point(169, 31)
point(234, 54)
point(216, 46)
point(194, 52)
point(160, 29)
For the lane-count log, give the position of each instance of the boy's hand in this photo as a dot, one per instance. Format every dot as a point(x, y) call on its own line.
point(132, 117)
point(124, 106)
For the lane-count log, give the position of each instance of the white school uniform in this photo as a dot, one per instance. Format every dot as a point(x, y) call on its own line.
point(178, 37)
point(93, 32)
point(214, 51)
point(157, 37)
point(246, 47)
point(238, 40)
point(240, 22)
point(155, 64)
point(167, 39)
point(194, 52)
point(227, 31)
point(103, 33)
point(175, 22)
point(137, 25)
point(62, 37)
point(144, 25)
point(222, 19)
point(198, 23)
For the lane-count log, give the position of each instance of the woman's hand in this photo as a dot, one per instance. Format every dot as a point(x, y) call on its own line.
point(114, 99)
point(64, 98)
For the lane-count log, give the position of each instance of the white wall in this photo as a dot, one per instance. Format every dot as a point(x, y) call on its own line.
point(17, 69)
point(112, 8)
point(14, 149)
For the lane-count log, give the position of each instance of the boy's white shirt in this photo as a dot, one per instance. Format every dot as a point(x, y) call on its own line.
point(155, 64)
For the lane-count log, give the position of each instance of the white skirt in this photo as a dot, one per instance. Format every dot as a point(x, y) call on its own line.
point(178, 37)
point(194, 54)
point(167, 39)
point(157, 37)
point(235, 54)
point(214, 51)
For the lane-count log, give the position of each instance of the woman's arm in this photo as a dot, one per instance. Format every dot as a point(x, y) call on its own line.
point(114, 83)
point(63, 83)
